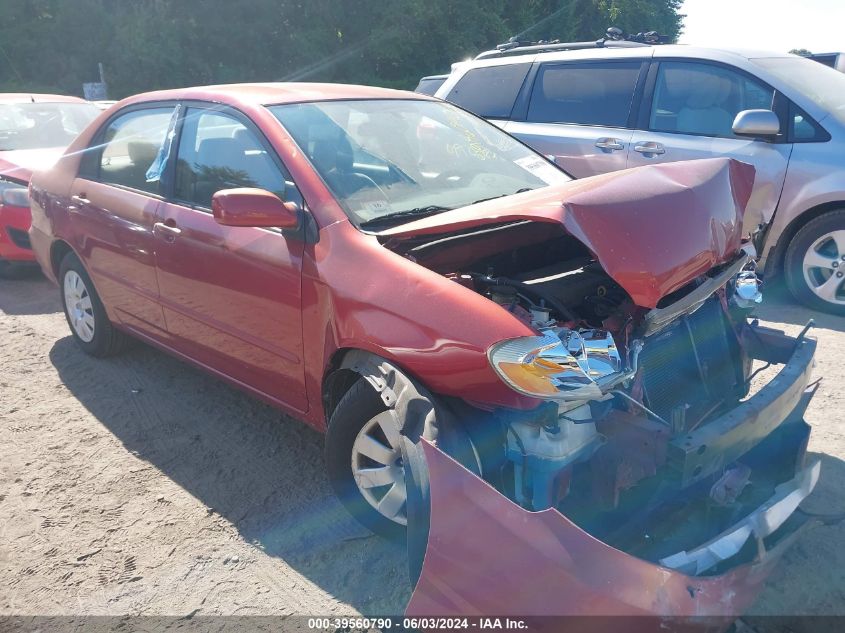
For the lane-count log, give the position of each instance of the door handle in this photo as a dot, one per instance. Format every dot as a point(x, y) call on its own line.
point(649, 147)
point(610, 144)
point(169, 231)
point(80, 199)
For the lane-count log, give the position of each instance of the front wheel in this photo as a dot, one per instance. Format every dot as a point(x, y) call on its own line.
point(815, 263)
point(364, 461)
point(85, 313)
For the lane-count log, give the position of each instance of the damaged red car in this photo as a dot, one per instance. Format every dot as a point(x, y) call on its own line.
point(34, 131)
point(532, 376)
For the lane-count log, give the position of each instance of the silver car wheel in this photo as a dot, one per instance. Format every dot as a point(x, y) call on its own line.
point(78, 305)
point(824, 267)
point(377, 467)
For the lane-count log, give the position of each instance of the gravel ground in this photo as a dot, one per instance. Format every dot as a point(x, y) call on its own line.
point(138, 485)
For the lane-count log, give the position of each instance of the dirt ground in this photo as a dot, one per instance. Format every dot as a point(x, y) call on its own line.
point(138, 485)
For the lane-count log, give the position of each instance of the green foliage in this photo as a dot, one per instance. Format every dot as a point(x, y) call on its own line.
point(54, 45)
point(801, 51)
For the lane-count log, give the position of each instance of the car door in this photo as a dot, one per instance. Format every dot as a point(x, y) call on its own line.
point(231, 295)
point(579, 113)
point(690, 115)
point(114, 206)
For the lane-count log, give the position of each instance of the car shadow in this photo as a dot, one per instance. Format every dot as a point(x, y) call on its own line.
point(261, 470)
point(30, 293)
point(779, 306)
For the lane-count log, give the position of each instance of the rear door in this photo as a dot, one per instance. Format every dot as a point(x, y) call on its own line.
point(115, 206)
point(579, 114)
point(690, 115)
point(231, 295)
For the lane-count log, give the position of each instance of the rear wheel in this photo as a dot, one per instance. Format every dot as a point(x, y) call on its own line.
point(815, 263)
point(85, 314)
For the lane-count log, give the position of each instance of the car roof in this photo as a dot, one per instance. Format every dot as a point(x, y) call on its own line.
point(30, 97)
point(274, 93)
point(598, 52)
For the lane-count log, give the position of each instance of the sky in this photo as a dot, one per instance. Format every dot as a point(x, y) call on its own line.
point(775, 25)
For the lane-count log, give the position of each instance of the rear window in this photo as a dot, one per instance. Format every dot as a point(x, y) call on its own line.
point(490, 91)
point(585, 94)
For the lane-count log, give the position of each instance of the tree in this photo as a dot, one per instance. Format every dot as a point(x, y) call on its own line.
point(54, 45)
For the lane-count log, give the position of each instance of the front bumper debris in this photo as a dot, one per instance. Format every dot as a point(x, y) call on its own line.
point(486, 555)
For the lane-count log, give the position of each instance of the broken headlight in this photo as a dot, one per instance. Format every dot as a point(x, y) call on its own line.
point(562, 364)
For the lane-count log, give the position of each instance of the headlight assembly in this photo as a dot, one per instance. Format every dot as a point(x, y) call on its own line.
point(13, 194)
point(562, 364)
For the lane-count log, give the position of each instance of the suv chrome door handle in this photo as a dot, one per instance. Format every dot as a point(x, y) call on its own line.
point(649, 147)
point(170, 231)
point(610, 144)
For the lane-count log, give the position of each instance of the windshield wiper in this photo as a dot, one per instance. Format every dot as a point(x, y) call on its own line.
point(416, 212)
point(502, 195)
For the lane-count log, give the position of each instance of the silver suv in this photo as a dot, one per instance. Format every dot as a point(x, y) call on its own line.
point(600, 108)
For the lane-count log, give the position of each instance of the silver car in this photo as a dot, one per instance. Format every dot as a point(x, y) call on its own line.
point(600, 107)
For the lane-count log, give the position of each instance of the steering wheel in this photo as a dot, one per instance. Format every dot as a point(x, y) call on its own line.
point(370, 182)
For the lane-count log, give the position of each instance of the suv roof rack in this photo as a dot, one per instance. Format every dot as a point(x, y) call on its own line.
point(614, 38)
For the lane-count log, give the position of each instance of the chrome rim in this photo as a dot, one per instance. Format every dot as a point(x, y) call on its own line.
point(824, 267)
point(377, 467)
point(78, 306)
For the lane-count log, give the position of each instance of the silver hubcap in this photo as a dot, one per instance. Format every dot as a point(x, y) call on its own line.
point(824, 267)
point(377, 467)
point(78, 306)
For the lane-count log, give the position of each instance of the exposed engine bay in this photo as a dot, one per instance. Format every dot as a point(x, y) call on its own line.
point(623, 387)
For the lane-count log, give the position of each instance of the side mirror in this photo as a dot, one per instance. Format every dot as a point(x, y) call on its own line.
point(253, 207)
point(756, 123)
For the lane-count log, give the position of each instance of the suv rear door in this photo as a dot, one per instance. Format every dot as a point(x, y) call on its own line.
point(579, 113)
point(688, 112)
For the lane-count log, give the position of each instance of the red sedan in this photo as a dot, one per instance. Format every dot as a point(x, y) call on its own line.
point(545, 381)
point(34, 131)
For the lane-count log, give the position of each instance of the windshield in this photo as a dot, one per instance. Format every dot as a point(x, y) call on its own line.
point(388, 160)
point(820, 83)
point(39, 125)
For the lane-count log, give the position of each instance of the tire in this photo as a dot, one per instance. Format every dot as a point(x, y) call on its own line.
point(357, 409)
point(821, 241)
point(86, 317)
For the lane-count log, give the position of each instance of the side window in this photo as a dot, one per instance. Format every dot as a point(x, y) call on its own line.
point(132, 142)
point(804, 127)
point(584, 93)
point(692, 98)
point(216, 151)
point(489, 91)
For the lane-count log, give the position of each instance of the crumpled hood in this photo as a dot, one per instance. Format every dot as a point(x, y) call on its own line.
point(653, 229)
point(20, 163)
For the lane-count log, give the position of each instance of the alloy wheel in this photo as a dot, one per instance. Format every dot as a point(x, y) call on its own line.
point(824, 267)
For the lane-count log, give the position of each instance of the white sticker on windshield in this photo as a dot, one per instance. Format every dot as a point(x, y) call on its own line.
point(540, 168)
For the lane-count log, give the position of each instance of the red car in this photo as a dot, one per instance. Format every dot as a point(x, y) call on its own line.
point(545, 381)
point(34, 131)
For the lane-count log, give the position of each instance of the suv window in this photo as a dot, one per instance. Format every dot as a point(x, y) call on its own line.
point(692, 98)
point(216, 151)
point(132, 142)
point(593, 93)
point(490, 91)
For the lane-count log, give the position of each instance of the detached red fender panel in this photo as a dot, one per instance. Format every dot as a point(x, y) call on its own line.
point(487, 556)
point(653, 228)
